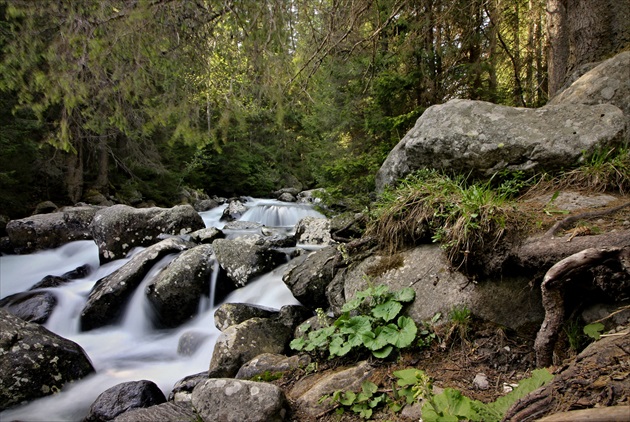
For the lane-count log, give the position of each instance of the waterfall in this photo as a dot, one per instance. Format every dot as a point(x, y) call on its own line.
point(133, 350)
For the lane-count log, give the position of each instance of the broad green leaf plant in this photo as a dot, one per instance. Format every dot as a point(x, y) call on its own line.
point(371, 321)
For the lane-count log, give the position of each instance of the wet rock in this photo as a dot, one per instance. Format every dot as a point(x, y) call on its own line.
point(96, 198)
point(313, 231)
point(182, 390)
point(269, 366)
point(293, 315)
point(51, 281)
point(110, 294)
point(243, 260)
point(35, 362)
point(306, 394)
point(233, 211)
point(481, 139)
point(228, 314)
point(169, 411)
point(242, 225)
point(239, 401)
point(175, 292)
point(44, 231)
point(190, 342)
point(118, 229)
point(205, 205)
point(35, 307)
point(310, 196)
point(208, 235)
point(287, 197)
point(122, 398)
point(308, 277)
point(240, 343)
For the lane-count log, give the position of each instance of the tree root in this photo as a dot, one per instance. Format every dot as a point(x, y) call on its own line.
point(563, 224)
point(553, 285)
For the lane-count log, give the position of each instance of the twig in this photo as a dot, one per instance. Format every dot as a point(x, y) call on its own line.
point(583, 216)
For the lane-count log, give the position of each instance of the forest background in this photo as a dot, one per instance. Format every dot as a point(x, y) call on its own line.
point(146, 97)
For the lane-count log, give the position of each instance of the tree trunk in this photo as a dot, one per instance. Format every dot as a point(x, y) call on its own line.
point(74, 174)
point(102, 178)
point(584, 31)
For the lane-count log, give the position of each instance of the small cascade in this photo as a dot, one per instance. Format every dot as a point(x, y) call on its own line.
point(272, 213)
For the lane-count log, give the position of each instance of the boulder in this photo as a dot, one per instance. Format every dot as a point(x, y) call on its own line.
point(308, 277)
point(119, 228)
point(182, 390)
point(55, 281)
point(45, 207)
point(228, 314)
point(232, 400)
point(287, 197)
point(269, 365)
point(313, 231)
point(35, 362)
point(33, 307)
point(190, 341)
point(122, 398)
point(205, 205)
point(4, 220)
point(310, 196)
point(307, 393)
point(508, 301)
point(44, 231)
point(241, 343)
point(243, 260)
point(606, 83)
point(208, 235)
point(110, 294)
point(95, 197)
point(175, 292)
point(233, 211)
point(481, 139)
point(169, 411)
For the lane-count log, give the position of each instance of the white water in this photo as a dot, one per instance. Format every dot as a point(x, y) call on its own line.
point(132, 350)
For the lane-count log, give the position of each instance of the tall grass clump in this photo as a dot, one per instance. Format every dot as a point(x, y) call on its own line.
point(461, 216)
point(604, 170)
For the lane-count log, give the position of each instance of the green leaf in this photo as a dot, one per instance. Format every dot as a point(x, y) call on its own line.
point(383, 353)
point(405, 295)
point(408, 376)
point(387, 311)
point(339, 347)
point(594, 330)
point(347, 398)
point(369, 387)
point(352, 305)
point(297, 344)
point(407, 333)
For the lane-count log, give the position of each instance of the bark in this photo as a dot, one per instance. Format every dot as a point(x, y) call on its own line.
point(74, 174)
point(102, 179)
point(557, 278)
point(558, 44)
point(597, 377)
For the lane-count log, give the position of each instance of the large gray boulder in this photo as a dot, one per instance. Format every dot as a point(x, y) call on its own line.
point(176, 291)
point(231, 400)
point(480, 138)
point(169, 411)
point(606, 83)
point(122, 398)
point(271, 365)
point(508, 301)
point(243, 259)
point(44, 231)
point(116, 230)
point(228, 314)
point(308, 278)
point(313, 231)
point(35, 362)
point(241, 343)
point(110, 294)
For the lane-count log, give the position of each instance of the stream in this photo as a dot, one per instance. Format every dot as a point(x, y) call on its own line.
point(134, 350)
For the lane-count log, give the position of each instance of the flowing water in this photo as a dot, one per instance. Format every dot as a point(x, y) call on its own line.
point(134, 350)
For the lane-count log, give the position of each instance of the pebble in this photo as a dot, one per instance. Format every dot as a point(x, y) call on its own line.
point(481, 382)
